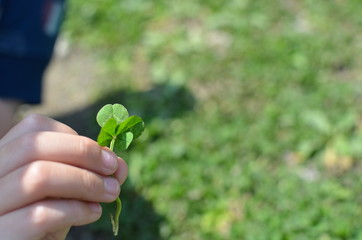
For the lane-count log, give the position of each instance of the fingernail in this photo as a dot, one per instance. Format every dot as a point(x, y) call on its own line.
point(95, 207)
point(109, 159)
point(112, 186)
point(122, 171)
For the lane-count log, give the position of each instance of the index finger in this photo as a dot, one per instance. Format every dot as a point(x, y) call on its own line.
point(57, 147)
point(35, 123)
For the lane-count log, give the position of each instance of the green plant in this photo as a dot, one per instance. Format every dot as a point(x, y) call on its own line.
point(118, 130)
point(252, 159)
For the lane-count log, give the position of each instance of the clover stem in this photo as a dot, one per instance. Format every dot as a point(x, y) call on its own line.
point(111, 146)
point(115, 218)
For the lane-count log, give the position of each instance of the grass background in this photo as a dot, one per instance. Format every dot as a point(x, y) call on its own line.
point(252, 110)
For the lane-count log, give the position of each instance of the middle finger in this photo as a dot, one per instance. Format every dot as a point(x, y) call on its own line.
point(43, 179)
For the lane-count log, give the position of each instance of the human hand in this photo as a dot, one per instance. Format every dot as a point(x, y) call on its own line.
point(51, 179)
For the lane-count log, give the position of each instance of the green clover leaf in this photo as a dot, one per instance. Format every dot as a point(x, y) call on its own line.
point(116, 111)
point(118, 130)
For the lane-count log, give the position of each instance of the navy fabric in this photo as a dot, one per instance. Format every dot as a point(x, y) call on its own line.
point(28, 30)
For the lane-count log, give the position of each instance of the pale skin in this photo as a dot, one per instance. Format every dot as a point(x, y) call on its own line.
point(52, 179)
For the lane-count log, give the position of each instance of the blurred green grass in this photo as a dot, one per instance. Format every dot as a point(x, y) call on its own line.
point(252, 111)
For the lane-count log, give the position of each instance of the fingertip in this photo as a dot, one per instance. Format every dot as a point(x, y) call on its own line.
point(109, 160)
point(122, 171)
point(85, 216)
point(95, 207)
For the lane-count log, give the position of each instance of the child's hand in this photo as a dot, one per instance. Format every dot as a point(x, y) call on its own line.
point(51, 179)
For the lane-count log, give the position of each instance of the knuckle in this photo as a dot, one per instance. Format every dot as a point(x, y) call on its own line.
point(88, 148)
point(35, 180)
point(91, 184)
point(34, 121)
point(52, 215)
point(27, 141)
point(46, 216)
point(39, 215)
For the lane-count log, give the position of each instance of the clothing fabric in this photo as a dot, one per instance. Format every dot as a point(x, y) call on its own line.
point(28, 31)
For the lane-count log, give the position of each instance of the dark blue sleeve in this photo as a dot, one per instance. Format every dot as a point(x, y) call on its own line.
point(28, 30)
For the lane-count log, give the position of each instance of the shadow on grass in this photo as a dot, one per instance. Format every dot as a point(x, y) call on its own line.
point(138, 219)
point(162, 101)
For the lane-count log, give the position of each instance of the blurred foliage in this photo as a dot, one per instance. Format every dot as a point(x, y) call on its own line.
point(265, 140)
